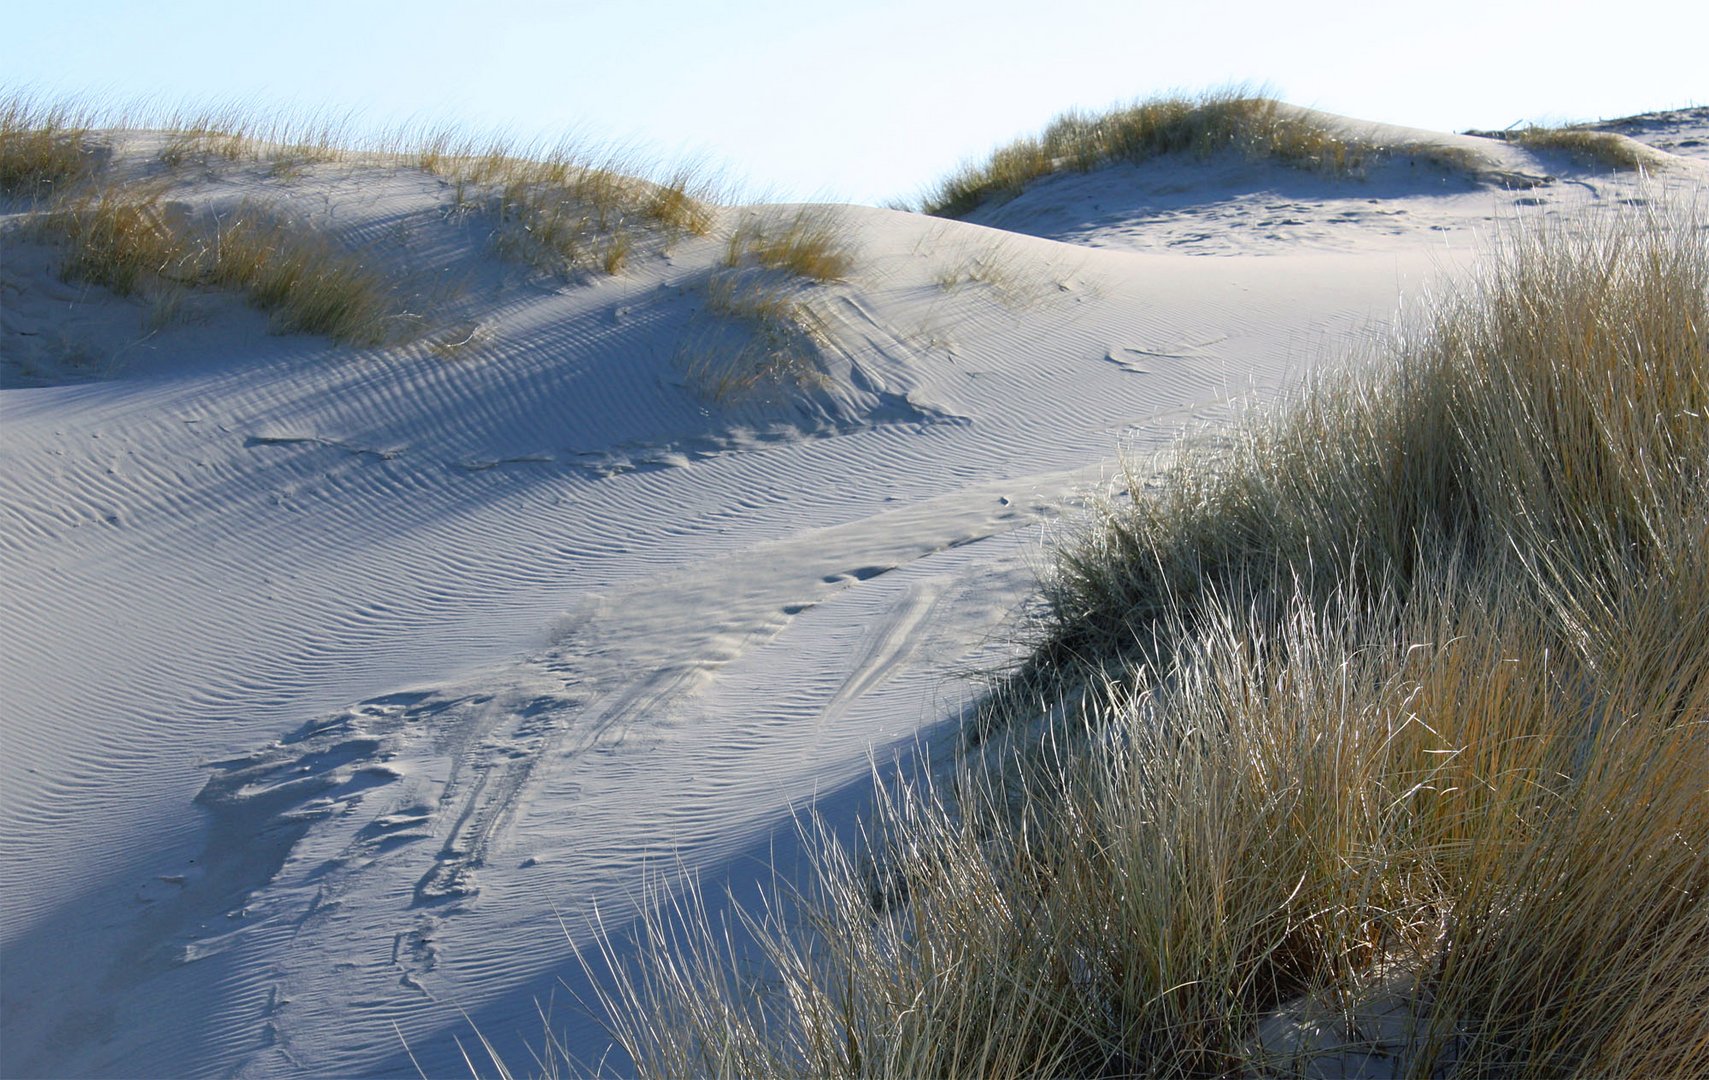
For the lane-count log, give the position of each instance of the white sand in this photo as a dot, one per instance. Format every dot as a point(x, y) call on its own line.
point(333, 678)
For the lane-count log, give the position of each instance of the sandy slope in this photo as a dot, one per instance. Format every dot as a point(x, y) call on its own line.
point(333, 679)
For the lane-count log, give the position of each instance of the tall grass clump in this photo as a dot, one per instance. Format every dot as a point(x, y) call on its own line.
point(1374, 739)
point(1228, 120)
point(1525, 417)
point(44, 149)
point(123, 237)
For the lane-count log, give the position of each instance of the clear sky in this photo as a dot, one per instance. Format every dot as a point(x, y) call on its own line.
point(855, 100)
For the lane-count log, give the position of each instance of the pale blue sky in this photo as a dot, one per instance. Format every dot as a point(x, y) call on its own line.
point(859, 100)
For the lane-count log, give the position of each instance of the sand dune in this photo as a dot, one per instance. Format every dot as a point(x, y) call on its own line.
point(335, 677)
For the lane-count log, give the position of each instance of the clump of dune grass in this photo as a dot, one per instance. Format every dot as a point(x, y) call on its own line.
point(1597, 147)
point(1395, 702)
point(567, 212)
point(1551, 431)
point(54, 141)
point(1250, 124)
point(1238, 121)
point(125, 238)
point(767, 333)
point(44, 149)
point(768, 336)
point(204, 143)
point(811, 242)
point(564, 210)
point(982, 268)
point(233, 133)
point(306, 279)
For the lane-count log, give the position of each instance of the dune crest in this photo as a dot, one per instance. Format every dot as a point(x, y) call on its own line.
point(347, 677)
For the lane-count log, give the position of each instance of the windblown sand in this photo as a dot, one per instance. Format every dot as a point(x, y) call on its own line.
point(343, 688)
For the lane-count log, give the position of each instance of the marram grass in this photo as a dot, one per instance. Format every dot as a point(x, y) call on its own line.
point(123, 237)
point(43, 148)
point(564, 211)
point(1393, 712)
point(768, 332)
point(812, 242)
point(1231, 120)
point(1234, 120)
point(769, 336)
point(1598, 147)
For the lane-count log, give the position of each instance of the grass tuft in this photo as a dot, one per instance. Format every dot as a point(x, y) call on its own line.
point(562, 211)
point(992, 267)
point(123, 237)
point(1597, 147)
point(1236, 120)
point(559, 212)
point(768, 333)
point(812, 242)
point(1392, 710)
point(44, 149)
point(783, 338)
point(307, 280)
point(234, 133)
point(1495, 424)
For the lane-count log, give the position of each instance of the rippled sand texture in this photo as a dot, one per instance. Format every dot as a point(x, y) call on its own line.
point(341, 685)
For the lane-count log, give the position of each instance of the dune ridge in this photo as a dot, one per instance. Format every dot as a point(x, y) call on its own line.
point(335, 674)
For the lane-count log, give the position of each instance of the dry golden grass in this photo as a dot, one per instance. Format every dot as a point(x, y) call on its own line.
point(44, 149)
point(1597, 147)
point(994, 268)
point(767, 333)
point(771, 338)
point(204, 145)
point(1424, 461)
point(57, 137)
point(560, 212)
point(563, 210)
point(811, 242)
point(1223, 120)
point(114, 237)
point(123, 237)
point(987, 267)
point(1236, 120)
point(234, 133)
point(1406, 686)
point(306, 279)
